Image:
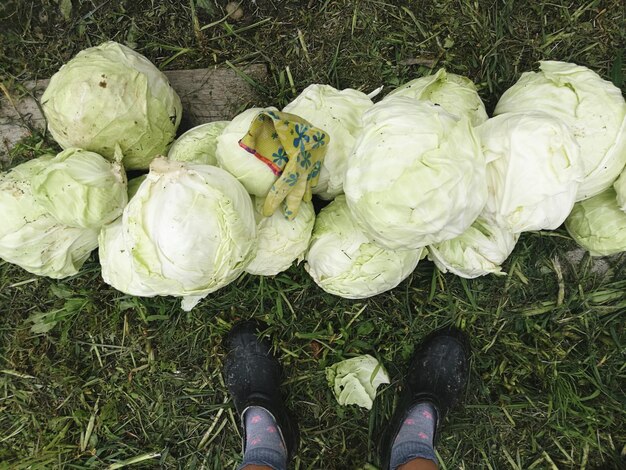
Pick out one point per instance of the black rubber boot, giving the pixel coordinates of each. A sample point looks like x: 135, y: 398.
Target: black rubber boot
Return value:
x: 438, y: 373
x: 253, y: 377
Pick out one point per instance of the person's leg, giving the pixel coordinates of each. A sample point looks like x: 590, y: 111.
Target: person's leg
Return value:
x: 415, y: 436
x: 419, y: 464
x: 438, y: 374
x: 252, y: 375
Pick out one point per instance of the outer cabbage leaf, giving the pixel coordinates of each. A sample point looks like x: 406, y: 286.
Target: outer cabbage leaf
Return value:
x: 593, y: 108
x: 598, y: 225
x: 478, y: 251
x: 344, y: 262
x: 416, y: 176
x: 30, y: 237
x: 109, y: 95
x: 190, y: 229
x: 280, y: 241
x: 534, y: 169
x: 355, y: 381
x: 117, y: 262
x: 454, y: 93
x: 81, y: 188
x: 133, y: 185
x: 338, y: 113
x: 199, y: 144
x: 620, y: 190
x: 255, y: 175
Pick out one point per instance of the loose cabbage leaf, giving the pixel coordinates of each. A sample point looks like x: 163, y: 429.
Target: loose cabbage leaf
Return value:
x: 355, y: 381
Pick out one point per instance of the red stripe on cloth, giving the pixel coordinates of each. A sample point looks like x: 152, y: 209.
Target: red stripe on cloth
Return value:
x: 275, y: 168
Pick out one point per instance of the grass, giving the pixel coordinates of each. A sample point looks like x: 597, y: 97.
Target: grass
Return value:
x: 92, y: 378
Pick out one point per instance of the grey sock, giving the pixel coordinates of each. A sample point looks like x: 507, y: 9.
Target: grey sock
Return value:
x: 264, y: 444
x: 415, y: 438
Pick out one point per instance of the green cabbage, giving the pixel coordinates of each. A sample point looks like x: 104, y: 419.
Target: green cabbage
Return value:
x: 110, y: 95
x: 189, y: 229
x: 454, y: 93
x: 255, y: 175
x: 199, y: 144
x: 338, y: 113
x: 344, y: 262
x: 280, y: 241
x: 478, y: 251
x: 593, y: 108
x: 534, y: 170
x: 416, y: 175
x: 81, y: 188
x: 32, y: 238
x: 598, y: 225
x: 355, y: 381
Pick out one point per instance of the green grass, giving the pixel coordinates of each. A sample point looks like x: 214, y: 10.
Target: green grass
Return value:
x: 90, y: 377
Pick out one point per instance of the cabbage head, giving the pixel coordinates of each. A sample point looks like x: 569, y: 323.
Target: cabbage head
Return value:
x: 81, y: 188
x: 454, y: 93
x: 355, y: 381
x: 280, y: 241
x: 199, y: 144
x: 620, y: 190
x: 338, y: 113
x: 416, y: 175
x: 109, y: 95
x: 344, y: 262
x: 255, y: 175
x: 534, y: 170
x: 190, y: 230
x: 478, y: 251
x: 593, y: 108
x: 32, y: 238
x: 598, y: 225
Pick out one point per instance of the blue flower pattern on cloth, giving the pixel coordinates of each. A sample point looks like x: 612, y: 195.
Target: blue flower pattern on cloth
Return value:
x: 272, y: 114
x: 292, y: 179
x: 315, y: 171
x: 280, y: 156
x: 301, y: 132
x: 318, y: 138
x: 304, y: 157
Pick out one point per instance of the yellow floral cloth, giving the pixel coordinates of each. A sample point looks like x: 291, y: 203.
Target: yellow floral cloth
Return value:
x: 294, y: 150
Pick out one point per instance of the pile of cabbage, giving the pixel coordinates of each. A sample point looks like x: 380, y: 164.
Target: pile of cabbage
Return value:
x: 423, y: 172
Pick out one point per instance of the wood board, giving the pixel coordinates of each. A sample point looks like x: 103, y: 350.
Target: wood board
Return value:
x: 211, y: 94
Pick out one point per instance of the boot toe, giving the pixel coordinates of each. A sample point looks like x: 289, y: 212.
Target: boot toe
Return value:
x: 440, y: 368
